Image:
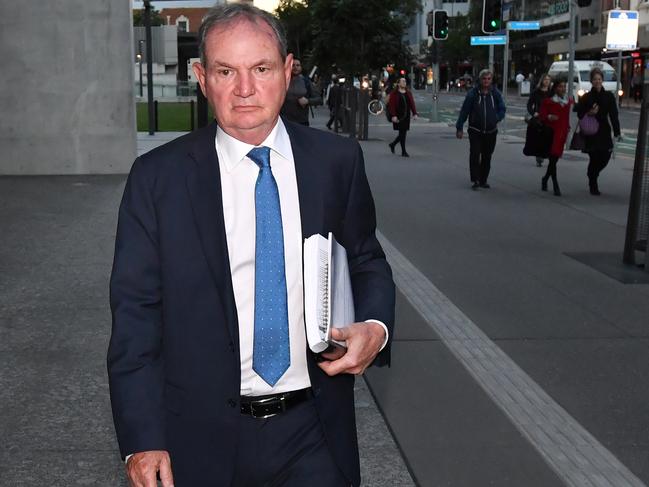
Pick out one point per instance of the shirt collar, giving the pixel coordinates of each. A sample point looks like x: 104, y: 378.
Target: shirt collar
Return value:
x: 234, y: 151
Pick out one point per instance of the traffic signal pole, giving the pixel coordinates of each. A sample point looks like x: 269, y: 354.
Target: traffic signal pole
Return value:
x: 505, y: 76
x: 571, y: 49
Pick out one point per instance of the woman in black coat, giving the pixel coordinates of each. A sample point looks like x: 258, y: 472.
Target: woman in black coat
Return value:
x: 601, y: 104
x: 535, y: 100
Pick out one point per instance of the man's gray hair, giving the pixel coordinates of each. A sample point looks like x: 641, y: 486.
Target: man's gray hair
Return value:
x: 485, y: 72
x: 224, y: 14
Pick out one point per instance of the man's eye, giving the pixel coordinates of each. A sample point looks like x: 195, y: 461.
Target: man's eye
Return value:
x: 262, y: 69
x: 224, y: 72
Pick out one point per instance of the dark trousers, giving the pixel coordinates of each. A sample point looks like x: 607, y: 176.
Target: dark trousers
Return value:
x: 481, y: 146
x: 401, y: 139
x: 597, y: 161
x: 287, y: 450
x: 334, y: 117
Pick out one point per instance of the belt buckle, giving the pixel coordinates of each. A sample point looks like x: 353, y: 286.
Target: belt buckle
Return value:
x: 259, y: 402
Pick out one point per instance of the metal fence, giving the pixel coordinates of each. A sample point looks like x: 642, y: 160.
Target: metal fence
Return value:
x: 351, y: 112
x: 637, y: 232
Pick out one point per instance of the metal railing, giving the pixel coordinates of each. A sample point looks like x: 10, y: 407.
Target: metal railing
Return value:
x: 351, y: 113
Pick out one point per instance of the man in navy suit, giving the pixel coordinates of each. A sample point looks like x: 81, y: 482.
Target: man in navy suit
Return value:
x: 211, y: 380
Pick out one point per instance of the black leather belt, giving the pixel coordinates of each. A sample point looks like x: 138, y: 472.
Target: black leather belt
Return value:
x: 267, y: 406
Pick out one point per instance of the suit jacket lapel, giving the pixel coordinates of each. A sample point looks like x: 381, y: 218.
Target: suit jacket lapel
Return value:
x: 204, y: 186
x: 311, y: 210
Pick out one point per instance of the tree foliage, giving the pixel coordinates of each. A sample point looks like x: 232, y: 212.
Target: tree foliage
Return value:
x: 295, y: 18
x: 138, y: 18
x: 457, y: 48
x: 353, y: 36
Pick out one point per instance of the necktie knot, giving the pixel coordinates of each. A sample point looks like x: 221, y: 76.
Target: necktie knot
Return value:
x: 260, y: 156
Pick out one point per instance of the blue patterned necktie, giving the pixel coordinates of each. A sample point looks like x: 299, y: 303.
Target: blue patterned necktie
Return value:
x: 271, y: 356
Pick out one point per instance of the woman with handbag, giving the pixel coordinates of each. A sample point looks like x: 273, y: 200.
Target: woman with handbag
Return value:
x: 594, y: 110
x: 400, y: 104
x: 555, y: 113
x: 542, y: 91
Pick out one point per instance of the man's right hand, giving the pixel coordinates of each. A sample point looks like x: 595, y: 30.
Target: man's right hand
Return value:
x: 142, y: 468
x: 459, y: 134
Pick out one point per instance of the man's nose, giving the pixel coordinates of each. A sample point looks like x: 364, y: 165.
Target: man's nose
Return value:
x: 245, y: 85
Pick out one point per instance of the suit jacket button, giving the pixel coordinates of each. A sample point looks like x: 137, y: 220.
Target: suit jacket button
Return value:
x: 232, y: 403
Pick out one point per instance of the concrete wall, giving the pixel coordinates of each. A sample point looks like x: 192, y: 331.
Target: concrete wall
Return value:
x: 66, y: 87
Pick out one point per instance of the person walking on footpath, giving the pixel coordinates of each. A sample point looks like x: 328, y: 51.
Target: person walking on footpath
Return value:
x: 300, y: 96
x: 211, y: 381
x: 555, y: 113
x: 485, y: 108
x: 540, y: 93
x: 400, y: 105
x: 599, y: 105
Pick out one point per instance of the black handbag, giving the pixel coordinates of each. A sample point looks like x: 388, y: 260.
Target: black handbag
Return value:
x: 577, y: 141
x: 538, y: 140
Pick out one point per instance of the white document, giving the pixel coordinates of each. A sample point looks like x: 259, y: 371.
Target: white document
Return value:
x: 328, y: 298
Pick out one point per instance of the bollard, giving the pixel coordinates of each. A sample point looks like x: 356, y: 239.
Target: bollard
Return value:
x: 353, y: 110
x: 155, y: 112
x: 364, y: 114
x: 191, y: 115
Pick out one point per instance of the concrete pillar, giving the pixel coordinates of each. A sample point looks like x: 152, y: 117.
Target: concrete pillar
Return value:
x: 66, y: 87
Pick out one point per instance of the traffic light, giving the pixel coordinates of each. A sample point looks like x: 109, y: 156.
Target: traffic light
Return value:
x: 583, y: 3
x: 492, y: 15
x: 440, y: 25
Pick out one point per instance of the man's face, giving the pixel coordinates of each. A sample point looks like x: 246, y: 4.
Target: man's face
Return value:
x: 485, y: 81
x: 245, y: 80
x: 297, y: 67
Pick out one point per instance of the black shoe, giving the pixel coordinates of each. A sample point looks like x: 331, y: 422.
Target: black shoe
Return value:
x: 475, y: 186
x: 405, y: 154
x: 557, y: 191
x: 485, y: 185
x: 594, y: 191
x: 544, y: 183
x: 391, y: 147
x: 329, y: 126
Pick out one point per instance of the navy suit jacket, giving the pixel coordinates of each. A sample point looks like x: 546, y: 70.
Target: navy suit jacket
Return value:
x: 173, y: 359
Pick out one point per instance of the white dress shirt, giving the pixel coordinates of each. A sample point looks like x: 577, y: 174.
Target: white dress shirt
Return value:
x: 238, y: 177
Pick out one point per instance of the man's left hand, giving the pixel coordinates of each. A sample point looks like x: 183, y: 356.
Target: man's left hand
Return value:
x: 303, y: 101
x: 364, y: 340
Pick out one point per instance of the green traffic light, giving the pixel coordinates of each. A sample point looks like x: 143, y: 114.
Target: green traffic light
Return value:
x: 494, y: 23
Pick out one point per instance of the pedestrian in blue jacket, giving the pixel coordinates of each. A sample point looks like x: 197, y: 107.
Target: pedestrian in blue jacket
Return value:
x: 484, y: 107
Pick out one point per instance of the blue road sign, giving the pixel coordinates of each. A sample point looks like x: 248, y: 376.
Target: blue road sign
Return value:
x: 524, y: 25
x: 623, y: 14
x: 488, y: 40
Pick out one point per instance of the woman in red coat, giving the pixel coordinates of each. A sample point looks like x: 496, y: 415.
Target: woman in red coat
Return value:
x: 400, y: 105
x: 555, y: 113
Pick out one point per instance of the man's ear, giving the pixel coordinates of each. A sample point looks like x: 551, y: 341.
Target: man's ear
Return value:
x: 199, y: 72
x: 288, y: 66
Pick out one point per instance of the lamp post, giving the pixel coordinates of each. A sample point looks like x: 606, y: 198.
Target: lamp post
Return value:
x: 139, y: 61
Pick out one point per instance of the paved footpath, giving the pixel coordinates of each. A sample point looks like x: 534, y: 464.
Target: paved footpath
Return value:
x: 521, y: 341
x: 519, y: 357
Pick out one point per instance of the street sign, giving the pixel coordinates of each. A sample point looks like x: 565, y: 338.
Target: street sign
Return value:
x: 622, y: 30
x: 488, y: 40
x: 524, y: 25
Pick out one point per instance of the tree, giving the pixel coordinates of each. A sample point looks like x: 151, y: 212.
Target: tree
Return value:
x: 138, y: 18
x: 294, y: 17
x: 360, y: 36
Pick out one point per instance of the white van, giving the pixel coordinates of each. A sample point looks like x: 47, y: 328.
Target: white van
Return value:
x: 582, y: 75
